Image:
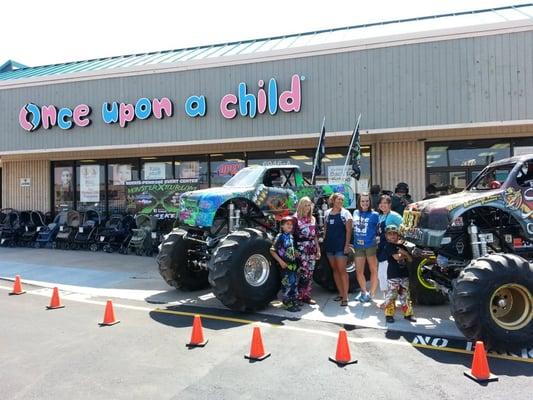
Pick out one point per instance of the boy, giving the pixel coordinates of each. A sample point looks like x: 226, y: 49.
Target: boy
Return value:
x: 397, y: 275
x: 284, y: 252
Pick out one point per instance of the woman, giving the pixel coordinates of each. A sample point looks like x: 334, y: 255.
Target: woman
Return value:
x: 338, y: 232
x: 365, y: 229
x: 387, y: 217
x: 307, y: 246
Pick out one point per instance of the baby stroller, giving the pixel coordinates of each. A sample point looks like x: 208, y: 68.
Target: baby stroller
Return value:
x: 141, y: 239
x: 47, y: 234
x: 8, y: 227
x: 33, y: 220
x: 86, y: 234
x: 67, y: 231
x: 116, y: 234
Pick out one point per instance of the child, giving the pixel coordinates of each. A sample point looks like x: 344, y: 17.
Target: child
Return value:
x: 397, y: 276
x: 283, y: 251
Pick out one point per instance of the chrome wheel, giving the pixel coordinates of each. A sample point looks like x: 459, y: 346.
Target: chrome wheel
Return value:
x: 256, y: 270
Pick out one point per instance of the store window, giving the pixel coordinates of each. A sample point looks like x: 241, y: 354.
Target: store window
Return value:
x: 301, y: 158
x: 225, y: 166
x: 157, y: 168
x: 333, y: 167
x: 192, y: 168
x: 90, y: 186
x: 452, y: 166
x: 63, y: 186
x: 118, y: 173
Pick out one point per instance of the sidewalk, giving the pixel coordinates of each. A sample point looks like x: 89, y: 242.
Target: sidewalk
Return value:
x: 137, y: 278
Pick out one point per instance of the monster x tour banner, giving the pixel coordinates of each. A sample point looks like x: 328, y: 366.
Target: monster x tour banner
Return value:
x: 159, y: 198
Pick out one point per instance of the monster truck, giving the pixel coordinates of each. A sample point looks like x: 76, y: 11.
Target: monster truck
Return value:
x: 476, y: 247
x: 225, y: 234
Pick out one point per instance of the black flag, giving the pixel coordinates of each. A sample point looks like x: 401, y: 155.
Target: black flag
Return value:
x: 354, y: 152
x: 320, y: 153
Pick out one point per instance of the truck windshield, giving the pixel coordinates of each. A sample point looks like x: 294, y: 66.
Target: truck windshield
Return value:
x: 491, y: 177
x: 245, y: 177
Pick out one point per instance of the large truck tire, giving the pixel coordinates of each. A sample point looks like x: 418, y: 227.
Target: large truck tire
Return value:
x: 323, y: 275
x: 492, y: 301
x: 422, y: 292
x: 242, y: 272
x: 174, y: 265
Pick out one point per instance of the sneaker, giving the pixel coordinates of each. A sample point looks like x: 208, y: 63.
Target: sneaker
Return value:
x: 308, y: 301
x: 389, y: 319
x: 410, y: 318
x: 368, y: 298
x: 361, y: 297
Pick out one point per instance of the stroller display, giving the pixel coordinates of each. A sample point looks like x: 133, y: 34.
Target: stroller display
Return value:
x: 141, y: 242
x: 86, y: 234
x: 65, y: 237
x: 115, y: 235
x: 33, y: 221
x: 9, y: 226
x: 88, y: 230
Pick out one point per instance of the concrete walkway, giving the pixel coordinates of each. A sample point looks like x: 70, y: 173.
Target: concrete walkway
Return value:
x: 136, y: 278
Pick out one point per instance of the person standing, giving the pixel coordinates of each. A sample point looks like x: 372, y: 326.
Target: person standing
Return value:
x: 284, y: 252
x: 387, y: 217
x: 338, y: 232
x: 365, y: 229
x: 308, y: 248
x: 401, y: 198
x: 397, y: 276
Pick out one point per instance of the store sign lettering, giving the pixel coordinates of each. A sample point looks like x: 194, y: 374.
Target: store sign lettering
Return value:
x: 244, y: 103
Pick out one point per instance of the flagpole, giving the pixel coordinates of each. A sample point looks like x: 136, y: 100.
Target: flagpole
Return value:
x: 317, y: 150
x: 350, y: 148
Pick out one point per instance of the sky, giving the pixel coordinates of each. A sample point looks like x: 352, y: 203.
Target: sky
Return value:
x: 37, y: 32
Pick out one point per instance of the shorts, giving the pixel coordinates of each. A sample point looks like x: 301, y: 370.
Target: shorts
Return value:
x: 366, y: 251
x: 337, y: 254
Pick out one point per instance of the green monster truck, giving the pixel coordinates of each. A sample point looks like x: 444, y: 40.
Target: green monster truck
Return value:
x: 225, y: 234
x: 476, y: 247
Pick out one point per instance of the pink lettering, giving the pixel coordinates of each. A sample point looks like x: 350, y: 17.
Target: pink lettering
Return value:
x: 80, y: 112
x: 291, y: 100
x: 224, y: 103
x: 126, y: 114
x: 23, y: 120
x: 261, y: 98
x: 49, y: 116
x: 158, y: 106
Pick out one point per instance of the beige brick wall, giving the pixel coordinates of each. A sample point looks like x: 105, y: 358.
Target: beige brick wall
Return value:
x: 37, y: 195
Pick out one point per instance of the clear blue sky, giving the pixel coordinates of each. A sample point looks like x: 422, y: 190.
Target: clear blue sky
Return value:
x: 37, y: 32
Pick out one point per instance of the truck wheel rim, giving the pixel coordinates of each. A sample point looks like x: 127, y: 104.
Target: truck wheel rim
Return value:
x: 256, y: 270
x: 511, y: 306
x: 420, y: 276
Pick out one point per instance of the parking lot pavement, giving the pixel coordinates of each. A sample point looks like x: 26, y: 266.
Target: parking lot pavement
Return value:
x: 64, y: 354
x: 137, y: 278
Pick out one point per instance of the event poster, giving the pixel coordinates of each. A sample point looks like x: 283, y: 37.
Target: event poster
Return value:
x: 159, y: 198
x: 89, y: 183
x: 121, y: 174
x: 154, y: 170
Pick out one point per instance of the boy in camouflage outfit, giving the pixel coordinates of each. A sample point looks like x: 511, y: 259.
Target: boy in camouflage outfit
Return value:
x: 283, y: 251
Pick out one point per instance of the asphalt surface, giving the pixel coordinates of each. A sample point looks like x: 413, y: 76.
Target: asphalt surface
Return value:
x: 65, y: 354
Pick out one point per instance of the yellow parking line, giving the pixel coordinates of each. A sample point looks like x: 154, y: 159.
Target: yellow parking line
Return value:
x: 463, y: 351
x: 216, y: 317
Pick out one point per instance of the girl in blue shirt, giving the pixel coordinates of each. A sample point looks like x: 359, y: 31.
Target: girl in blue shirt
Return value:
x: 365, y: 229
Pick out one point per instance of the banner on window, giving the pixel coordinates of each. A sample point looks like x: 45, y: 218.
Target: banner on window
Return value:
x: 90, y: 183
x: 159, y: 198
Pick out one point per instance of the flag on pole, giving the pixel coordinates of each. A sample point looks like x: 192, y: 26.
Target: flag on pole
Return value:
x: 354, y: 153
x: 320, y: 153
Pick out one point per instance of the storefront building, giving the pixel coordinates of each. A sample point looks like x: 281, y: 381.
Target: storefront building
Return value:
x: 440, y: 98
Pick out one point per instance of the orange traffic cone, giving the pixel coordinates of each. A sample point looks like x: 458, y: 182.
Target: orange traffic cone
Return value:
x: 17, y: 287
x: 197, y: 336
x: 480, y: 367
x: 342, y: 356
x: 54, y: 301
x: 109, y: 315
x: 257, y: 351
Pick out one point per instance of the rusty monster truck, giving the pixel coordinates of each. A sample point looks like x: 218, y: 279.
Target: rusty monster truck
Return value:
x: 476, y: 247
x: 225, y: 233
